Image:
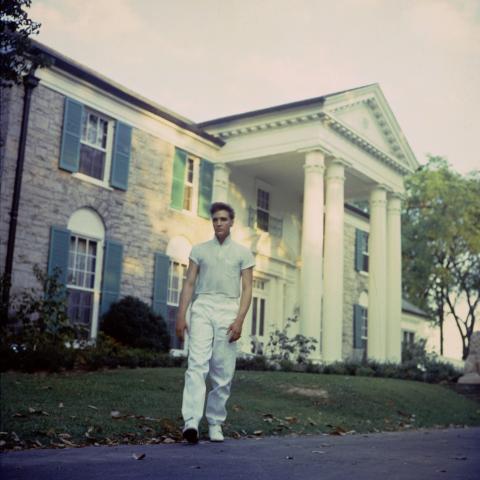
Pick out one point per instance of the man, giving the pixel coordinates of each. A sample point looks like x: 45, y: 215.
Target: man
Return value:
x: 213, y: 280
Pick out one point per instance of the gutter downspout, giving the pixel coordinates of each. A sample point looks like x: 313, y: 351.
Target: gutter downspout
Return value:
x: 29, y: 82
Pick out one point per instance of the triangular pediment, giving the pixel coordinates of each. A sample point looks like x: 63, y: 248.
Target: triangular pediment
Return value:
x: 365, y: 112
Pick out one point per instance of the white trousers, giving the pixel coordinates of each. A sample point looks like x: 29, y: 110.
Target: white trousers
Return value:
x: 209, y: 353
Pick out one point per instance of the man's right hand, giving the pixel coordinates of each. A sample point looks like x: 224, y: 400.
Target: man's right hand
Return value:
x: 180, y: 327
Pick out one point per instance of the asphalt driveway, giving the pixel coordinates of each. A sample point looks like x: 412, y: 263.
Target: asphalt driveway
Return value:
x: 423, y: 454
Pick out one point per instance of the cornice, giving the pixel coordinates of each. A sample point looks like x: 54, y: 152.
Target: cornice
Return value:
x: 336, y: 125
x: 359, y: 141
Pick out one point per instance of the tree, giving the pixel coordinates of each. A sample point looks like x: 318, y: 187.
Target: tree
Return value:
x: 16, y: 57
x: 441, y: 245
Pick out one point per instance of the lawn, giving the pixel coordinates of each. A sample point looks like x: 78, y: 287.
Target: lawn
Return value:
x: 143, y: 406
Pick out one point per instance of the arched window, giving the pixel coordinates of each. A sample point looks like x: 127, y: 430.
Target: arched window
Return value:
x: 85, y: 261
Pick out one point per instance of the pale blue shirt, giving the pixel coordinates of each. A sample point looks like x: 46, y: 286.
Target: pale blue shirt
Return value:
x: 220, y: 265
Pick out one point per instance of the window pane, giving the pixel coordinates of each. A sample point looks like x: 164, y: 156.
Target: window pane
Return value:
x: 262, y: 317
x: 187, y: 199
x: 92, y: 129
x: 262, y: 220
x: 254, y: 316
x: 92, y: 162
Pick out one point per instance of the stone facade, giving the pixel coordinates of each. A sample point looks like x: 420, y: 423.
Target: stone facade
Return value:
x: 139, y: 218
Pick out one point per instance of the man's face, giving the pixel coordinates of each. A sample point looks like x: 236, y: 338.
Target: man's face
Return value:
x: 222, y: 223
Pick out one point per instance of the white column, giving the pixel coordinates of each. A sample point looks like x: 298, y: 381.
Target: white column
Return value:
x: 377, y: 275
x: 394, y: 280
x: 333, y: 263
x: 221, y: 174
x: 312, y: 247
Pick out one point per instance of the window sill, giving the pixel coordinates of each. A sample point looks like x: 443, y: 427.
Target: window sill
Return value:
x: 363, y: 273
x: 92, y: 181
x: 188, y: 213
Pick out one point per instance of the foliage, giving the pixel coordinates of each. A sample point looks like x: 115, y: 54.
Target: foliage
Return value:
x: 17, y: 59
x: 441, y: 244
x: 282, y: 348
x: 39, y: 332
x: 133, y: 323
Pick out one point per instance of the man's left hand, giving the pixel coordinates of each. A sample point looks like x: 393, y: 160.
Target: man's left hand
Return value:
x: 234, y: 332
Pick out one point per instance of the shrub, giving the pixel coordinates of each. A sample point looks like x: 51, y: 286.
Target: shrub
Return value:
x: 133, y: 323
x: 38, y: 332
x: 282, y: 348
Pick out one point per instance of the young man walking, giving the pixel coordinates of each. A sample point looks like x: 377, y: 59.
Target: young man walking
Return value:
x: 218, y: 310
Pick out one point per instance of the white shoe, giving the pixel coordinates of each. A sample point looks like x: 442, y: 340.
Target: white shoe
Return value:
x: 190, y: 433
x: 215, y: 433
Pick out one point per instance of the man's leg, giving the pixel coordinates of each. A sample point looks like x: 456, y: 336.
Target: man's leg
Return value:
x: 222, y: 364
x: 199, y: 354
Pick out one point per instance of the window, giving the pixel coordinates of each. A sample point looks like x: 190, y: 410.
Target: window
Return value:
x: 190, y: 187
x: 408, y: 337
x: 176, y: 275
x: 82, y: 262
x: 258, y: 316
x: 263, y: 209
x: 361, y: 251
x: 365, y: 253
x: 94, y: 145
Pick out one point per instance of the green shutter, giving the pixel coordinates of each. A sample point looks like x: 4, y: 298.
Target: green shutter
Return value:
x: 359, y: 246
x: 58, y: 253
x: 357, y: 326
x: 112, y: 274
x: 72, y: 130
x: 160, y: 284
x: 121, y: 156
x: 179, y: 163
x: 205, y: 188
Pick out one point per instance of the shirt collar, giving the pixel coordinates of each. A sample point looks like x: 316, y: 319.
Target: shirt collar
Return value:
x: 227, y: 240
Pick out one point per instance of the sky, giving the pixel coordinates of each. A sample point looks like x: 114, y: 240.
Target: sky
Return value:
x: 209, y: 58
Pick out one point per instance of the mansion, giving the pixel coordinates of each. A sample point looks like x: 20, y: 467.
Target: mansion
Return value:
x: 114, y: 190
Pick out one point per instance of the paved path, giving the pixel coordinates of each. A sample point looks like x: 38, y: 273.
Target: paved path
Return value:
x: 426, y: 454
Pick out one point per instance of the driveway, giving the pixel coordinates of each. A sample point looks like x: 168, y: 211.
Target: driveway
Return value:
x: 422, y: 454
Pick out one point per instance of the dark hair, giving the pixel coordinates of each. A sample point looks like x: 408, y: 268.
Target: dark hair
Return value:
x: 222, y: 206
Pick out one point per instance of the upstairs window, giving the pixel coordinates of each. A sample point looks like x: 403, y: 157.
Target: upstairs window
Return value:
x: 93, y: 145
x: 191, y: 184
x: 263, y: 209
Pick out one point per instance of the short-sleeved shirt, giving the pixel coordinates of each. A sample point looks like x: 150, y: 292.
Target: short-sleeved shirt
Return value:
x: 220, y: 265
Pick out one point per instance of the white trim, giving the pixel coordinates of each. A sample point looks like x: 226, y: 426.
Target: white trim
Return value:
x: 102, y: 101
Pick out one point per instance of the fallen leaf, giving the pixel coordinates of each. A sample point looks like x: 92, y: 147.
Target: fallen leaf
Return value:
x: 318, y: 451
x: 258, y: 432
x: 2, y: 443
x: 93, y: 407
x: 115, y: 414
x: 236, y: 408
x: 311, y: 422
x: 236, y: 435
x: 18, y: 414
x: 291, y: 419
x: 289, y: 457
x: 338, y: 431
x: 169, y: 440
x: 138, y: 456
x: 67, y: 442
x: 460, y: 458
x: 60, y: 405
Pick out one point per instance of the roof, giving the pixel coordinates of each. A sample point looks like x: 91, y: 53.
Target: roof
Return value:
x: 413, y: 309
x: 277, y: 108
x: 78, y: 70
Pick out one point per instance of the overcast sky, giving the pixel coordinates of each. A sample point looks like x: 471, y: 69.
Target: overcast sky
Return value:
x: 210, y: 58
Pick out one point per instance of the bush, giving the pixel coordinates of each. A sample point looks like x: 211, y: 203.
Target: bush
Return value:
x: 38, y: 333
x: 134, y: 324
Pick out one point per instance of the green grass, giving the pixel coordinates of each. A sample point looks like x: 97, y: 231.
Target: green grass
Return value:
x: 149, y: 401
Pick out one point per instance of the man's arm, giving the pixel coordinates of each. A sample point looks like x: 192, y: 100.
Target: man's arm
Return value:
x: 235, y: 329
x: 185, y: 298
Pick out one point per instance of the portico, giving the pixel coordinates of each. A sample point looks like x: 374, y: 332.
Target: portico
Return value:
x: 317, y: 156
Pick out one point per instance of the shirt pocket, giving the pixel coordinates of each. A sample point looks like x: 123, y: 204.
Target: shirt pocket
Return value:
x: 231, y: 268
